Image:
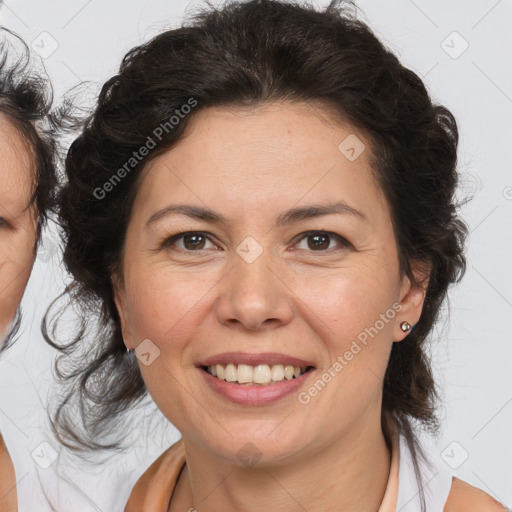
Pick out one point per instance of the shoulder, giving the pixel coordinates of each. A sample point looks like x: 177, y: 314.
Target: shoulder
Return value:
x: 8, y: 497
x: 470, y: 499
x: 154, y: 488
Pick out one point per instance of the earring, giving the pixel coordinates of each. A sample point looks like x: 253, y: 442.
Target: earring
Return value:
x: 405, y: 326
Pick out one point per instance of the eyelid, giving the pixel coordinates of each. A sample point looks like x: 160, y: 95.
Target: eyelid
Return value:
x: 342, y: 240
x: 170, y: 240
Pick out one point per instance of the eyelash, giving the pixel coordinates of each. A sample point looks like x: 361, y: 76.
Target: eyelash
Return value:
x: 344, y: 243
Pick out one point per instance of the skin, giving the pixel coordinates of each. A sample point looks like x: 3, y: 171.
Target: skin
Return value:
x: 290, y: 300
x: 18, y: 221
x: 18, y: 233
x: 249, y: 166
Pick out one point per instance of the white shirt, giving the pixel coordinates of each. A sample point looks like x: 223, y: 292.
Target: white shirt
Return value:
x: 437, y: 482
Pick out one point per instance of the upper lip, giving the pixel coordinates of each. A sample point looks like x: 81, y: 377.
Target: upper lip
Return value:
x: 270, y: 358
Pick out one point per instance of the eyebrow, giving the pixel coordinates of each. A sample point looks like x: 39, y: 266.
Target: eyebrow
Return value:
x: 285, y: 218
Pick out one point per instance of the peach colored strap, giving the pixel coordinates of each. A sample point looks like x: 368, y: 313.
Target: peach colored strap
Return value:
x: 153, y: 490
x: 8, y: 497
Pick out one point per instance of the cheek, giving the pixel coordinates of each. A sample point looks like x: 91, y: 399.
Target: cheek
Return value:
x: 168, y: 309
x: 14, y: 274
x: 348, y: 302
x: 352, y: 317
x: 165, y: 305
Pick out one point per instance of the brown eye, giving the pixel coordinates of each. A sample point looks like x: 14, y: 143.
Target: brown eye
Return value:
x: 318, y: 241
x: 192, y: 241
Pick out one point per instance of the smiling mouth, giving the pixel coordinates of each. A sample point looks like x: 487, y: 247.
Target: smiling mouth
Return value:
x: 259, y: 375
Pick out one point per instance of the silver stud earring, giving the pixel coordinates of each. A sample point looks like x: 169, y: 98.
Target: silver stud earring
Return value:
x: 405, y: 326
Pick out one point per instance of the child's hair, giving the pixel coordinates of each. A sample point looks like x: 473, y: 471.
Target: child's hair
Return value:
x: 26, y: 100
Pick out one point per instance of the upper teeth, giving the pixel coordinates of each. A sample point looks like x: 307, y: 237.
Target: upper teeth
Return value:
x: 260, y: 374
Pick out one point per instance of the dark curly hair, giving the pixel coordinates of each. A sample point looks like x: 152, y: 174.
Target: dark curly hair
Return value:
x: 26, y: 99
x: 244, y: 54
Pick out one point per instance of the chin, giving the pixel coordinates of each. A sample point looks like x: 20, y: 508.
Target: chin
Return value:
x: 257, y: 446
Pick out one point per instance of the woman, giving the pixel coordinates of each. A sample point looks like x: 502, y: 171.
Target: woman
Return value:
x: 261, y: 210
x: 27, y: 184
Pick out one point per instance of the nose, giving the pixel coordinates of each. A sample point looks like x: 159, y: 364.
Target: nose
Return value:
x: 254, y: 297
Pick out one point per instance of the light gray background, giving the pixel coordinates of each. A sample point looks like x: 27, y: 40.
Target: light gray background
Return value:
x: 472, y: 351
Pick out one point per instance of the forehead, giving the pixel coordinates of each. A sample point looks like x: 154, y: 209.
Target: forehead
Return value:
x: 280, y: 132
x: 16, y: 166
x: 275, y: 152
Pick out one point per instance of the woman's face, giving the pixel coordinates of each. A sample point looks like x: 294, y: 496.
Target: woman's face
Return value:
x: 265, y: 279
x: 18, y: 221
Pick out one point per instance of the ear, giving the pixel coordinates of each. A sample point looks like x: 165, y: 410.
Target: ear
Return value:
x: 122, y: 309
x: 412, y: 297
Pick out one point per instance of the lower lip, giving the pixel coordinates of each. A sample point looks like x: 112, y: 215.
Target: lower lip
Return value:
x: 254, y: 395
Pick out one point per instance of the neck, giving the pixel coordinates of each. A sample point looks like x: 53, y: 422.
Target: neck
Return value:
x: 349, y: 474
